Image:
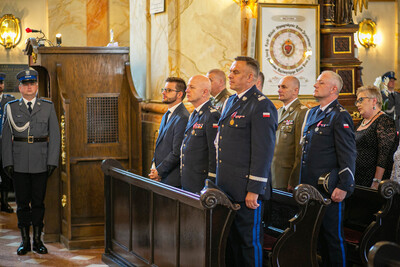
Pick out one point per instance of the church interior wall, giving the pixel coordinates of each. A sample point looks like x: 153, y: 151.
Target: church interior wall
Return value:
x: 32, y: 16
x: 382, y: 58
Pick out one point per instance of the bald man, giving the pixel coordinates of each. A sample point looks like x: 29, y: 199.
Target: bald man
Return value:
x: 218, y: 88
x: 329, y: 146
x: 198, y: 161
x: 287, y: 155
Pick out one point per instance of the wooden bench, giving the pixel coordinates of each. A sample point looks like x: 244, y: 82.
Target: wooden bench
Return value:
x: 384, y: 254
x: 371, y: 216
x: 152, y: 224
x: 291, y: 232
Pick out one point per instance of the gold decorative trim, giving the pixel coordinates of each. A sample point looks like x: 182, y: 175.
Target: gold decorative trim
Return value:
x: 332, y: 65
x: 63, y: 146
x: 337, y: 30
x: 342, y: 52
x: 64, y: 201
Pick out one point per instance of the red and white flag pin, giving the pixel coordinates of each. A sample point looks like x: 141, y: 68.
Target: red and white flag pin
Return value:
x: 346, y: 126
x: 266, y: 114
x: 215, y: 125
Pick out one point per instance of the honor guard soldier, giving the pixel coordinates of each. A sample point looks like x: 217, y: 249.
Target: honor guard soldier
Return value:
x: 392, y: 98
x: 31, y: 147
x: 6, y: 183
x: 198, y: 151
x: 329, y: 148
x: 287, y: 154
x: 245, y: 146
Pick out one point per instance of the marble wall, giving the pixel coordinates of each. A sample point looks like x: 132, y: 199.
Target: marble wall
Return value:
x: 383, y: 57
x: 31, y: 16
x: 68, y: 17
x: 190, y: 37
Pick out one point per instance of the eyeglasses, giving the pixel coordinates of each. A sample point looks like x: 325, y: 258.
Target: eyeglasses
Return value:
x: 168, y: 90
x: 361, y: 99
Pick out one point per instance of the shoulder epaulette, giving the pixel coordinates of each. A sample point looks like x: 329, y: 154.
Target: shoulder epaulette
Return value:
x: 212, y: 109
x: 45, y: 100
x: 303, y: 107
x: 261, y: 97
x: 13, y: 101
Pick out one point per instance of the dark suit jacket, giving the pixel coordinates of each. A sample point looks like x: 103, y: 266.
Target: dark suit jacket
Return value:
x: 287, y: 154
x: 198, y: 161
x: 167, y: 151
x: 246, y: 141
x: 329, y: 147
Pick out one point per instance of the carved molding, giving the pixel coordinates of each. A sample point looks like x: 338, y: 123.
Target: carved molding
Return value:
x: 388, y: 188
x: 303, y: 193
x: 211, y: 196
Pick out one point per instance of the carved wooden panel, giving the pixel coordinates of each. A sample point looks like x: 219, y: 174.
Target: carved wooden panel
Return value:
x: 348, y: 80
x: 342, y: 44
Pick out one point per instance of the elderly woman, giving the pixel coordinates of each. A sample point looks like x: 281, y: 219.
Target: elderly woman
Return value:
x: 375, y: 139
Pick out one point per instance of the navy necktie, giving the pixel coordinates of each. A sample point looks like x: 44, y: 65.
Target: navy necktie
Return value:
x: 165, y: 119
x: 29, y: 107
x: 194, y: 114
x: 319, y: 112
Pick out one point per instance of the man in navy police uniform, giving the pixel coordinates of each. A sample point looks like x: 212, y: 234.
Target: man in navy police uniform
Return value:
x: 329, y: 147
x: 31, y: 149
x: 245, y: 147
x: 6, y: 182
x: 165, y: 167
x: 198, y: 151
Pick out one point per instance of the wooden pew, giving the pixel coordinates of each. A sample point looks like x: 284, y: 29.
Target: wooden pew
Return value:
x: 384, y: 254
x: 152, y: 224
x: 292, y: 231
x: 371, y: 216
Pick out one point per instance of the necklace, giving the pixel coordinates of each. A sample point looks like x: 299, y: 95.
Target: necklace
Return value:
x: 363, y: 124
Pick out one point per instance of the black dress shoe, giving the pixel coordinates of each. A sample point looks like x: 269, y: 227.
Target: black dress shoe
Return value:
x: 39, y: 247
x: 25, y: 245
x: 24, y: 248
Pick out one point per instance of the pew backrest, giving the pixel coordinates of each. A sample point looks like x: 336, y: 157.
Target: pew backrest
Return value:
x: 149, y: 223
x: 297, y: 245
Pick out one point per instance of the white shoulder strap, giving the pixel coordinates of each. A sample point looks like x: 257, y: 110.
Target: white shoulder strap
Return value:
x: 12, y: 123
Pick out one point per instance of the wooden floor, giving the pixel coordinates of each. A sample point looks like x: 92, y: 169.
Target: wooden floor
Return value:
x: 58, y: 255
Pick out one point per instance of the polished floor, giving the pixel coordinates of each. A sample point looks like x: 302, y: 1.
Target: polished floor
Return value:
x: 58, y: 255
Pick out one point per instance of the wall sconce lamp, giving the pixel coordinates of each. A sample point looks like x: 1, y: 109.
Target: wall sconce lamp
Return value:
x: 10, y: 31
x: 367, y: 33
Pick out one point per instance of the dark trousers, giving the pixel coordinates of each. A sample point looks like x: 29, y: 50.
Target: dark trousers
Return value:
x: 331, y: 242
x: 30, y: 190
x: 244, y: 245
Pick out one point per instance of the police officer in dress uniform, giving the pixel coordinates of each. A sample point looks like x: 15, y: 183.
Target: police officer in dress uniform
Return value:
x: 393, y: 98
x: 245, y: 146
x: 6, y: 182
x: 287, y: 154
x: 31, y: 147
x: 198, y: 151
x: 329, y: 147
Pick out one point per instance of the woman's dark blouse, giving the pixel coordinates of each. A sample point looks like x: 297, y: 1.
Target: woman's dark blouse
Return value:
x: 375, y: 147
